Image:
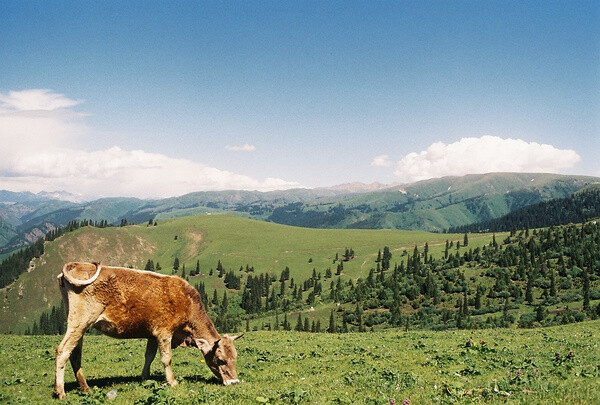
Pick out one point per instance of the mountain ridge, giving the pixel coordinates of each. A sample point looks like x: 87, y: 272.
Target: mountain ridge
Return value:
x: 433, y: 204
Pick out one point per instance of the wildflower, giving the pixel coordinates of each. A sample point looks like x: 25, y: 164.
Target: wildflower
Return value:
x: 571, y: 354
x: 392, y: 401
x: 519, y: 372
x: 406, y: 401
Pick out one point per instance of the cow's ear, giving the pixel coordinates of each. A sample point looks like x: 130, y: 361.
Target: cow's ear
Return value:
x: 203, y: 345
x: 237, y: 337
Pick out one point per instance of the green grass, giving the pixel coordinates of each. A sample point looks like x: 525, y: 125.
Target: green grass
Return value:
x: 289, y: 367
x: 233, y: 240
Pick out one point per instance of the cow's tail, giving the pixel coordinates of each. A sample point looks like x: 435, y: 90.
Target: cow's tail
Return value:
x: 75, y: 281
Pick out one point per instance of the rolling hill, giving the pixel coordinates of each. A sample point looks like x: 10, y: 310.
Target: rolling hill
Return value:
x: 234, y: 241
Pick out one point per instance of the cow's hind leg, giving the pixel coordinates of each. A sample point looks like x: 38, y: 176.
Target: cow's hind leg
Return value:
x: 76, y: 364
x: 151, y: 347
x: 63, y: 352
x: 164, y: 345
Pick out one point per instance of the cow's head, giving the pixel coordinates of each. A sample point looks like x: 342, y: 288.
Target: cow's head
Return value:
x: 220, y: 357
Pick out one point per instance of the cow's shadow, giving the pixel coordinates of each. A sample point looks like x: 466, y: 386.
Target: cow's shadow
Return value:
x: 203, y: 379
x: 104, y: 382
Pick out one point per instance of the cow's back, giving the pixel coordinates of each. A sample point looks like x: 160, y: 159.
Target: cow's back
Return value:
x: 140, y: 303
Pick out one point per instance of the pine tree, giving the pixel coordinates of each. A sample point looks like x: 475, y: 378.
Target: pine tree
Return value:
x: 586, y: 290
x: 282, y: 288
x: 286, y: 323
x: 176, y: 264
x: 529, y: 288
x: 299, y: 326
x: 505, y: 310
x: 149, y: 265
x: 331, y: 328
x: 478, y: 293
x: 359, y: 313
x: 466, y: 240
x: 540, y: 313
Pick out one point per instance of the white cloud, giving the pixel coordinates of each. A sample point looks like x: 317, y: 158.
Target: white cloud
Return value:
x: 483, y: 155
x: 241, y: 148
x: 36, y: 129
x: 381, y: 161
x: 36, y: 99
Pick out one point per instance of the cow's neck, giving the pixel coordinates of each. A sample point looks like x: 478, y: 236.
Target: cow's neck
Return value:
x: 203, y: 328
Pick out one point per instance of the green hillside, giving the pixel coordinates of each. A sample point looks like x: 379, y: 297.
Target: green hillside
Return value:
x: 234, y: 241
x: 351, y: 279
x: 557, y: 365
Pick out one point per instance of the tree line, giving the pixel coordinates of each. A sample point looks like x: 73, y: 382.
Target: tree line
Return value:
x: 578, y: 207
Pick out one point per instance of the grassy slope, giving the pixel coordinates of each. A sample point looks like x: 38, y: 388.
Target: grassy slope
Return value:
x: 288, y: 367
x: 233, y: 240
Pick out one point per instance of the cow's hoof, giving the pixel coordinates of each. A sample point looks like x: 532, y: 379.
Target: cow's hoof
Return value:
x: 59, y: 395
x: 173, y: 383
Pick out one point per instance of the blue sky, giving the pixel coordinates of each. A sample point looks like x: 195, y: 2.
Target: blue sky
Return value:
x: 164, y: 96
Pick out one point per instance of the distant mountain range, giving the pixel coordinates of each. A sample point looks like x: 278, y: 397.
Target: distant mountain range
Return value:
x: 433, y: 205
x: 26, y: 196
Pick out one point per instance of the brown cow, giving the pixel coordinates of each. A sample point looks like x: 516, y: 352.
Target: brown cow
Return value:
x: 126, y: 303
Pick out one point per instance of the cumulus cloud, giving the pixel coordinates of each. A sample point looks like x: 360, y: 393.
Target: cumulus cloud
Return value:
x: 483, y: 155
x: 37, y: 128
x: 241, y: 148
x: 381, y: 161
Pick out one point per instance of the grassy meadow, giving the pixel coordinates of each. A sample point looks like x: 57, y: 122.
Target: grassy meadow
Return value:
x: 546, y: 365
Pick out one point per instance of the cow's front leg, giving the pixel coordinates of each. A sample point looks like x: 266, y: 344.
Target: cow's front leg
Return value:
x: 164, y: 345
x: 151, y: 347
x: 76, y: 364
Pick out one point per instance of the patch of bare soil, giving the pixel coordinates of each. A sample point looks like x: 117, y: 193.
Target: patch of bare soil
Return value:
x: 119, y: 250
x: 194, y: 239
